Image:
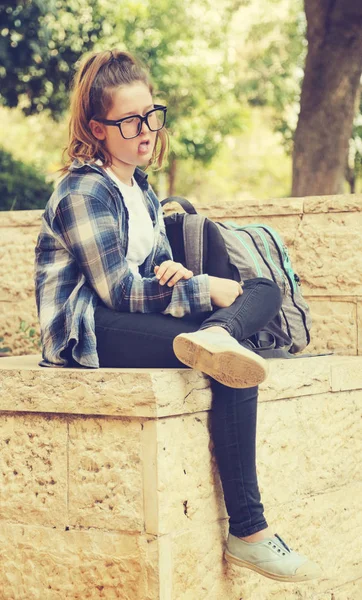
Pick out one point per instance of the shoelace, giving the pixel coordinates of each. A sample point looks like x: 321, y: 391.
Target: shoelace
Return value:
x: 282, y: 542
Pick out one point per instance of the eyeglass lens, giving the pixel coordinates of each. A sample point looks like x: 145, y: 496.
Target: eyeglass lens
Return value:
x: 155, y: 120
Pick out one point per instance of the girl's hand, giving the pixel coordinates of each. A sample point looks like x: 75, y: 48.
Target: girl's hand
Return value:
x: 169, y: 270
x: 223, y: 292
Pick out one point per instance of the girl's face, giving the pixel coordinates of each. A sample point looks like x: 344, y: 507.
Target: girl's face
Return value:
x: 132, y: 99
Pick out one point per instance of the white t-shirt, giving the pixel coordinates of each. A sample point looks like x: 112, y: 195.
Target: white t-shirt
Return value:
x: 140, y: 227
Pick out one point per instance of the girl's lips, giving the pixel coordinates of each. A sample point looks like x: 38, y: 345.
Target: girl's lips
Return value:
x: 144, y: 147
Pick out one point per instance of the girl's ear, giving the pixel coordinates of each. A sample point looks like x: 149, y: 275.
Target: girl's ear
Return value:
x: 98, y: 129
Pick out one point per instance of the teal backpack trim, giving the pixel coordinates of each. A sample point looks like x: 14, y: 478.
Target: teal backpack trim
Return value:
x: 257, y: 267
x: 284, y: 252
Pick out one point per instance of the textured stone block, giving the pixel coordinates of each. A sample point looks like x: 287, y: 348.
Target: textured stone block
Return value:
x: 11, y: 316
x: 334, y: 326
x: 294, y: 437
x: 33, y: 470
x: 359, y: 326
x: 347, y: 375
x: 308, y: 446
x: 17, y: 297
x: 326, y: 204
x: 21, y: 218
x: 302, y: 377
x: 250, y: 208
x: 180, y: 391
x: 141, y: 392
x: 75, y: 391
x: 348, y: 591
x: 328, y: 250
x: 118, y: 392
x: 312, y: 526
x: 328, y: 528
x: 47, y: 564
x: 197, y: 565
x: 105, y: 474
x: 187, y: 484
x: 243, y: 208
x: 17, y: 252
x: 309, y: 442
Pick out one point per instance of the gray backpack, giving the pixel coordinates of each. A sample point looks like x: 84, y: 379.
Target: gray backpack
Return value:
x: 244, y: 252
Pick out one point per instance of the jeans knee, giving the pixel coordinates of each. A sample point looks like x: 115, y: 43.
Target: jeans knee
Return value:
x: 272, y: 291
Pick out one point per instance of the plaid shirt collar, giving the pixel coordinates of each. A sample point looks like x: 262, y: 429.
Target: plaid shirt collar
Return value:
x: 140, y: 176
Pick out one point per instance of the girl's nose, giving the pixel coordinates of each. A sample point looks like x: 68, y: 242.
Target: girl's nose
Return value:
x: 144, y: 128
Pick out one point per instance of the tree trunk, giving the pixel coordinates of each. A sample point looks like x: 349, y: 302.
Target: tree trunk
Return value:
x: 172, y: 176
x: 329, y: 91
x: 350, y: 177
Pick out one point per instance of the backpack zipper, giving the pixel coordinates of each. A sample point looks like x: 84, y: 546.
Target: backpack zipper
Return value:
x: 284, y: 258
x: 272, y: 276
x: 289, y: 271
x: 268, y: 251
x: 258, y: 269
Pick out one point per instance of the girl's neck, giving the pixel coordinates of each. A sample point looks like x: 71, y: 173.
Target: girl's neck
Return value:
x: 126, y: 178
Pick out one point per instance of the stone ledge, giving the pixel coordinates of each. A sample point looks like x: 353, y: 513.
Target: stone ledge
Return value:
x: 89, y: 472
x: 326, y: 204
x: 237, y: 207
x: 21, y: 218
x: 141, y: 495
x: 145, y: 393
x: 268, y: 207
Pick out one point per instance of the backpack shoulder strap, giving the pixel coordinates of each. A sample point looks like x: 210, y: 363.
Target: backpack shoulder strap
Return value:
x: 193, y: 233
x: 186, y: 204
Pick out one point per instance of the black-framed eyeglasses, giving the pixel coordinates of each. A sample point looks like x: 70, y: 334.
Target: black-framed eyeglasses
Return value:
x: 130, y: 127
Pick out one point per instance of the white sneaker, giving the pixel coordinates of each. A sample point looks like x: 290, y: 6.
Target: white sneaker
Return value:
x: 272, y: 558
x: 221, y: 357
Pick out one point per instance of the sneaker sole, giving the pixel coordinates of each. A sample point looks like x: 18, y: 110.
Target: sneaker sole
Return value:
x: 234, y: 368
x: 230, y: 558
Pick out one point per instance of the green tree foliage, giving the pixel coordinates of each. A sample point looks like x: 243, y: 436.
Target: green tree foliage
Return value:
x: 189, y: 47
x: 184, y: 44
x: 40, y: 40
x: 272, y: 56
x: 36, y: 137
x: 21, y: 186
x: 354, y: 159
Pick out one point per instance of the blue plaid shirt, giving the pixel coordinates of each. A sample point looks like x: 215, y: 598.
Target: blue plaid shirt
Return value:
x: 80, y: 259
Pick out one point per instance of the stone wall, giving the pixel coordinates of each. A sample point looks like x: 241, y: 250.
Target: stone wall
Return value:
x: 324, y: 235
x: 109, y: 487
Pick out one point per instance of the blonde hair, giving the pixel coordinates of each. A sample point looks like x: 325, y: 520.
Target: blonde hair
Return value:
x: 99, y: 74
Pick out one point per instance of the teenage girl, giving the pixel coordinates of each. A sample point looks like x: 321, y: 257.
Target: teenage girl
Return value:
x: 109, y: 294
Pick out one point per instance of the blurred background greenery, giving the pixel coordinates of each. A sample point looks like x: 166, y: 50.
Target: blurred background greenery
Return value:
x: 231, y: 74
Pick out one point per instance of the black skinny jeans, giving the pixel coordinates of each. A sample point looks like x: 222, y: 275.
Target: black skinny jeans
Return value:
x: 138, y: 340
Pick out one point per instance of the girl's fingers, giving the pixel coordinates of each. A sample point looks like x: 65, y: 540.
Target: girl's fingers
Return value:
x: 177, y: 276
x: 170, y: 269
x: 188, y: 274
x: 185, y: 274
x: 162, y: 270
x: 167, y: 270
x: 174, y: 280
